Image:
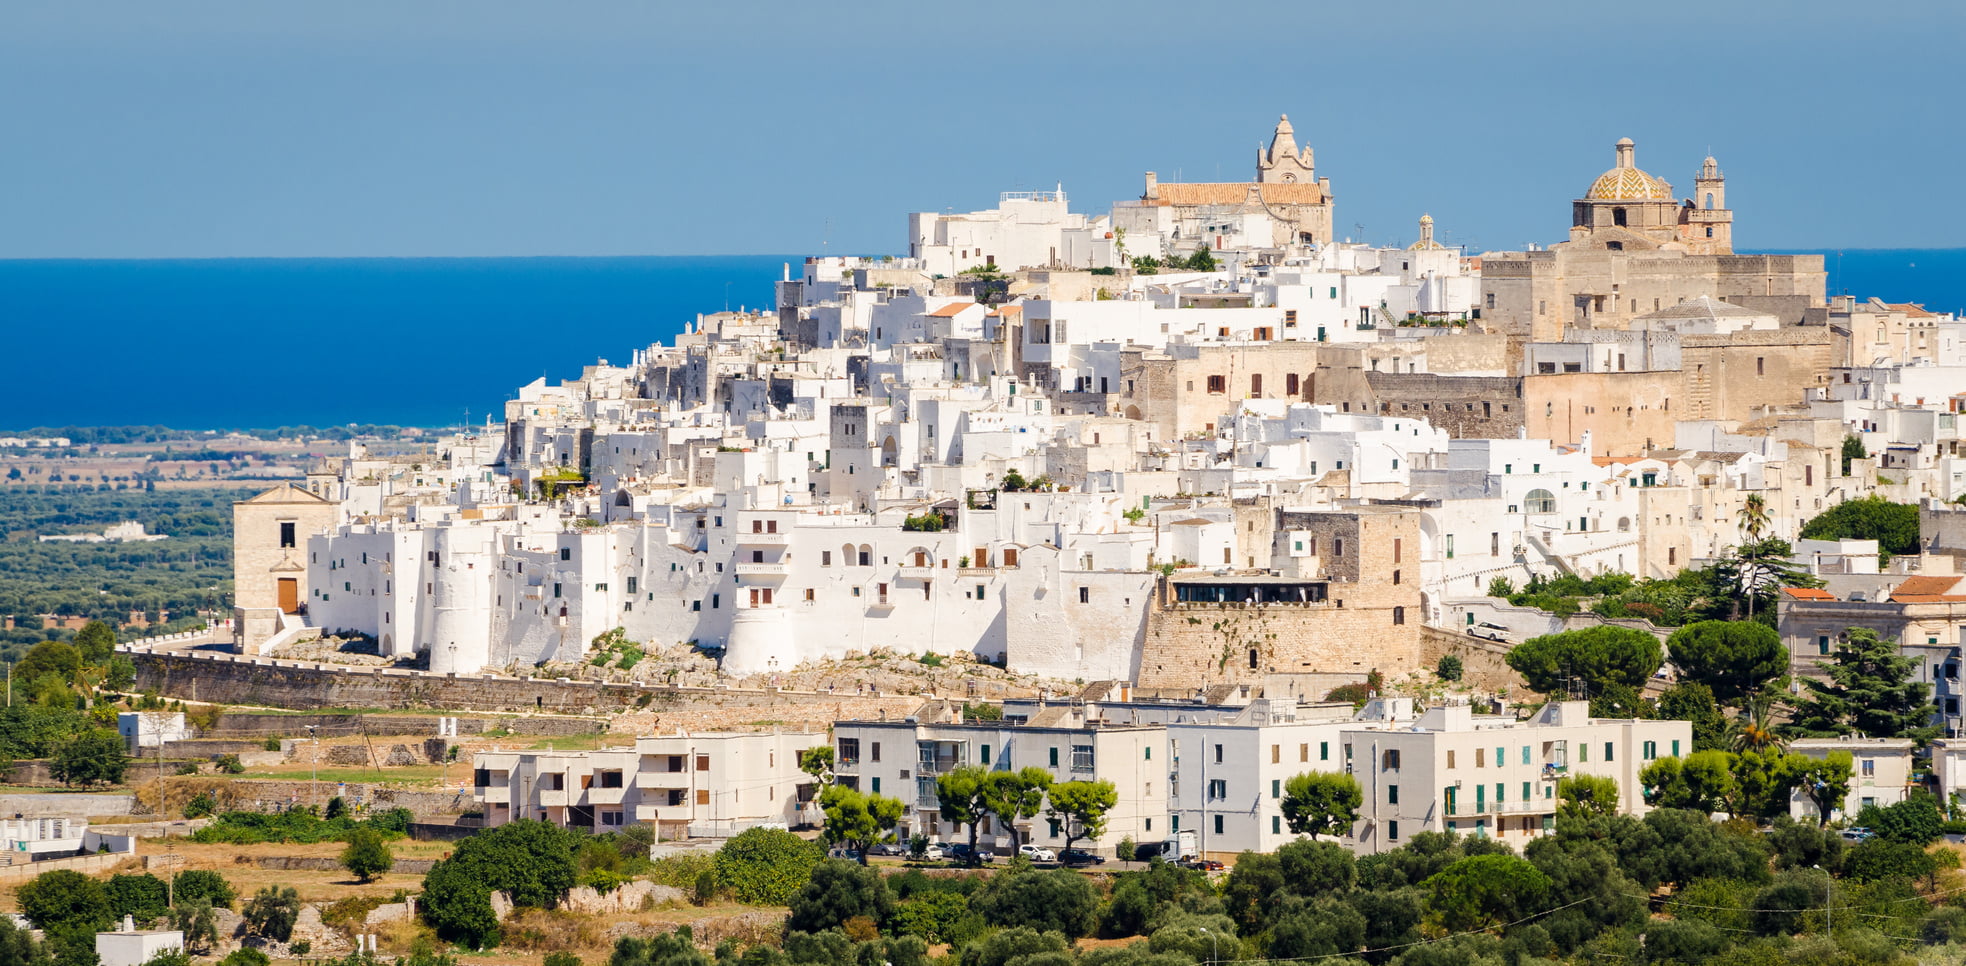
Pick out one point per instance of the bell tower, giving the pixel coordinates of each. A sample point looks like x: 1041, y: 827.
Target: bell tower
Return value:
x: 1283, y: 163
x: 1709, y: 228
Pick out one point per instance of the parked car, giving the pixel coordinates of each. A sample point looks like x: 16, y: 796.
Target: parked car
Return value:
x: 1081, y: 857
x: 888, y: 848
x: 1489, y: 632
x: 959, y: 851
x: 1037, y: 853
x: 851, y: 855
x: 932, y: 853
x: 1205, y: 865
x: 1858, y: 834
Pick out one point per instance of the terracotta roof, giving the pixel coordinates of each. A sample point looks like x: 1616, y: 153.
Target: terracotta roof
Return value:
x: 1911, y: 309
x: 1808, y: 593
x: 1926, y: 590
x: 1236, y: 192
x: 952, y: 309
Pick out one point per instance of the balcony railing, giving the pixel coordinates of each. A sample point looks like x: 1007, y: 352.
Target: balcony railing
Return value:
x: 749, y: 569
x: 762, y: 539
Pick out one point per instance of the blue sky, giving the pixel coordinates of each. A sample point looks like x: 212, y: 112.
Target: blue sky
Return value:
x: 148, y: 129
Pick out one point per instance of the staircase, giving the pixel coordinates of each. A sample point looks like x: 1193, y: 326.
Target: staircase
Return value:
x: 294, y: 628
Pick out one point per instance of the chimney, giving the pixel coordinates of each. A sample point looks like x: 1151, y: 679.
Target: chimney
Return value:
x: 129, y: 924
x: 1153, y: 187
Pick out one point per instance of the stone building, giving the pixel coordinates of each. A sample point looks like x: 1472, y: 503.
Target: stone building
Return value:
x: 1633, y: 250
x: 269, y: 559
x: 1287, y: 205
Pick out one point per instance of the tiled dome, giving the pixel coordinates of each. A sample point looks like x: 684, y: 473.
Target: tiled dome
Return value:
x: 1627, y: 184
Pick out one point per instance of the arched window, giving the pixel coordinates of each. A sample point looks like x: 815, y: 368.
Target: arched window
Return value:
x: 866, y: 555
x: 847, y: 556
x: 1539, y: 501
x: 1709, y: 204
x: 1624, y: 524
x: 1618, y: 217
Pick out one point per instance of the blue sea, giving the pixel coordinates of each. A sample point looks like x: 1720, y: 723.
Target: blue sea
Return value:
x: 260, y: 343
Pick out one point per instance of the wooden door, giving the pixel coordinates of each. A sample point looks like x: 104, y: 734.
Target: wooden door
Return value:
x: 289, y: 595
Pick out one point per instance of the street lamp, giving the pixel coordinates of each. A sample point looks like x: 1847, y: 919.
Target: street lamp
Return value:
x: 314, y: 777
x: 1215, y: 946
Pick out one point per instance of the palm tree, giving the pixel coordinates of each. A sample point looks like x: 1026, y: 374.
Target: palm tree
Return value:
x: 1752, y: 517
x: 1755, y: 729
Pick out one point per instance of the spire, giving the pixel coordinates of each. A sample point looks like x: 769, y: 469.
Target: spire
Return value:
x: 1426, y: 231
x: 1626, y: 150
x: 1284, y: 142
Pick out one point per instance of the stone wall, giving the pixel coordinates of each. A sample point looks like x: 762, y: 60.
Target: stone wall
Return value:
x: 1484, y: 664
x: 322, y: 863
x: 1193, y: 645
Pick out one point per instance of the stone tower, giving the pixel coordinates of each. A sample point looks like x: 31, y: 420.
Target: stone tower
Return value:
x: 1283, y: 163
x: 1709, y: 224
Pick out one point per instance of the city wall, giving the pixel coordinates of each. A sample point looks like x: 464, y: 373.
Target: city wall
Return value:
x: 265, y: 682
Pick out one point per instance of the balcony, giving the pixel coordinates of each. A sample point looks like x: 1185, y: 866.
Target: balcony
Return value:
x: 493, y: 794
x: 551, y: 797
x: 606, y: 796
x: 1479, y: 807
x: 750, y: 569
x: 911, y: 572
x: 762, y: 539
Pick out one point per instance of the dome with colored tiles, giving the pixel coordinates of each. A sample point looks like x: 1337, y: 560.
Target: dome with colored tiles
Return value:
x: 1625, y: 182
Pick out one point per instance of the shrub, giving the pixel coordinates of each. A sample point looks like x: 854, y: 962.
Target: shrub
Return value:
x: 204, y: 884
x: 367, y: 855
x: 245, y: 956
x: 271, y: 913
x: 764, y: 866
x: 1449, y: 668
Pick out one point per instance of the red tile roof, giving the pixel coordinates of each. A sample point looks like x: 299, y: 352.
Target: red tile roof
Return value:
x: 952, y: 309
x: 1927, y: 590
x: 1808, y: 593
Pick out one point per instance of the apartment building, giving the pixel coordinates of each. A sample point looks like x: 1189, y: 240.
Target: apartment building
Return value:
x: 902, y: 759
x: 1457, y: 771
x: 710, y: 785
x: 1880, y: 772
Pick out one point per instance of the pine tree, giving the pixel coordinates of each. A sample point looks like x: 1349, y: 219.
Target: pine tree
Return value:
x: 1869, y: 691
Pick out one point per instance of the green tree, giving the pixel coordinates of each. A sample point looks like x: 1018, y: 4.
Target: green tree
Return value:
x: 1321, y: 803
x: 1595, y: 658
x: 1853, y: 449
x: 1893, y: 525
x: 858, y: 821
x: 1312, y: 868
x: 1052, y: 900
x: 1201, y: 261
x: 839, y: 891
x: 246, y: 956
x: 1014, y: 796
x: 1870, y: 690
x: 94, y: 756
x: 18, y: 946
x: 962, y: 795
x: 96, y: 642
x: 1763, y: 781
x: 1449, y: 668
x: 49, y: 659
x: 1588, y: 795
x: 531, y: 861
x: 1754, y: 572
x: 817, y: 761
x: 1827, y: 782
x: 1702, y: 781
x: 1693, y: 702
x: 367, y: 855
x: 65, y: 899
x: 143, y: 896
x: 1249, y: 894
x: 1732, y: 658
x: 1485, y: 891
x: 765, y: 866
x: 271, y: 913
x: 1752, y: 518
x: 198, y: 920
x: 1915, y: 820
x: 1080, y: 808
x: 676, y: 948
x: 195, y: 884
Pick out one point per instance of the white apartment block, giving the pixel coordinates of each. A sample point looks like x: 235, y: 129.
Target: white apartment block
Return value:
x: 1880, y: 773
x: 710, y: 785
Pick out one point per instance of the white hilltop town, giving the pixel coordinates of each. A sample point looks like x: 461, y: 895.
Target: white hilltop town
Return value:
x: 1194, y: 446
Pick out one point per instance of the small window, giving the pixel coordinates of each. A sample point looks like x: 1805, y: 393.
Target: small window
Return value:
x: 287, y: 535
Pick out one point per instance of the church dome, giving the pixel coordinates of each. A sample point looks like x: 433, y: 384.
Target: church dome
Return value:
x: 1625, y: 182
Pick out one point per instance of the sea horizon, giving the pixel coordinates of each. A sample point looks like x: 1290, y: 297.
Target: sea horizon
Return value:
x: 267, y: 341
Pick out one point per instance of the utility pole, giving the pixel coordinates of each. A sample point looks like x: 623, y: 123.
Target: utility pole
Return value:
x: 314, y: 778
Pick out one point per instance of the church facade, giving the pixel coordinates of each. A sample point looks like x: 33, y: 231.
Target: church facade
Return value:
x: 1287, y: 206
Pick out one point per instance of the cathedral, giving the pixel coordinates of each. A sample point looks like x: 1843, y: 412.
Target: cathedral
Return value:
x: 1634, y: 249
x: 1627, y: 209
x: 1287, y: 205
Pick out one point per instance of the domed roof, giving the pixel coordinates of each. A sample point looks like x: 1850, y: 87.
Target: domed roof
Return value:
x: 1628, y: 184
x: 1625, y: 182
